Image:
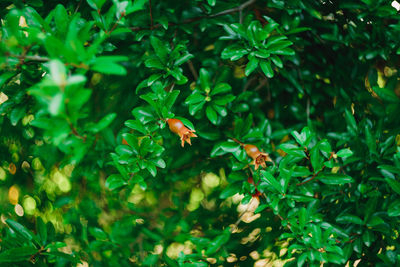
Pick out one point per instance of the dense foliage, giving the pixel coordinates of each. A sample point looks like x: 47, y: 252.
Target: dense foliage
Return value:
x: 201, y: 132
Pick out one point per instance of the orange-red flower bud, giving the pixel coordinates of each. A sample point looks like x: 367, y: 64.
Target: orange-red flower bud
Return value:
x: 258, y: 157
x: 176, y: 126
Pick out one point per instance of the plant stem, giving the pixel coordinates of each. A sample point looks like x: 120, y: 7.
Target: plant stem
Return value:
x: 151, y: 16
x: 315, y: 174
x: 187, y: 21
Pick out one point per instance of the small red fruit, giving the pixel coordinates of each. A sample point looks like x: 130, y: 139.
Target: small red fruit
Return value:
x: 176, y: 126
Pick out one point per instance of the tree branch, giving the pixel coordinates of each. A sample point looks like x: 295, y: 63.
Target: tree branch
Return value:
x: 151, y: 15
x: 193, y: 70
x: 29, y: 58
x: 75, y: 132
x: 315, y: 174
x: 122, y: 14
x: 187, y: 21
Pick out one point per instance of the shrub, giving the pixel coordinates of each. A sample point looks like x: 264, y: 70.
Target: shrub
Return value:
x: 193, y: 133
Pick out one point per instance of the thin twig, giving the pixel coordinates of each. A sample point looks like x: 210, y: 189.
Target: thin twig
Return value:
x: 116, y: 23
x: 237, y: 141
x: 262, y: 84
x: 222, y: 13
x: 78, y: 6
x: 248, y: 83
x: 151, y: 16
x: 193, y: 70
x: 75, y: 132
x: 29, y: 58
x: 233, y: 10
x: 315, y: 174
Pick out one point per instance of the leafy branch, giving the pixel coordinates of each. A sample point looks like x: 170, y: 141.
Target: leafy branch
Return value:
x: 191, y: 20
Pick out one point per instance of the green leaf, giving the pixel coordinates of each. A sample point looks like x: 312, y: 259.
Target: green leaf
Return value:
x: 389, y: 168
x: 368, y: 237
x: 230, y: 190
x: 21, y: 230
x: 395, y: 185
x: 223, y: 100
x: 345, y: 152
x: 300, y: 138
x: 351, y: 122
x: 275, y: 39
x: 108, y: 68
x: 251, y: 66
x: 160, y: 48
x: 143, y: 115
x: 284, y: 52
x: 335, y: 258
x: 137, y: 5
x: 96, y: 4
x: 154, y: 63
x: 211, y: 2
x: 229, y: 146
x: 292, y: 149
x: 17, y: 254
x: 159, y: 163
x: 183, y: 59
x: 171, y: 98
x: 297, y: 30
x: 216, y: 244
x: 301, y: 171
x: 279, y: 45
x: 61, y: 18
x: 211, y: 115
x: 204, y: 79
x: 302, y: 259
x: 195, y: 98
x: 370, y: 140
x: 237, y: 176
x: 316, y: 159
x: 349, y: 218
x: 335, y: 178
x: 115, y: 181
x: 136, y: 125
x: 233, y: 54
x: 386, y: 94
x: 4, y: 77
x: 270, y: 179
x: 151, y: 168
x: 277, y: 61
x: 16, y: 114
x: 103, y: 123
x: 220, y: 110
x: 63, y: 255
x: 394, y: 208
x: 375, y: 220
x: 178, y: 75
x: 58, y: 72
x: 221, y: 88
x: 266, y: 68
x: 98, y: 233
x: 324, y: 147
x: 41, y: 230
x: 56, y: 104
